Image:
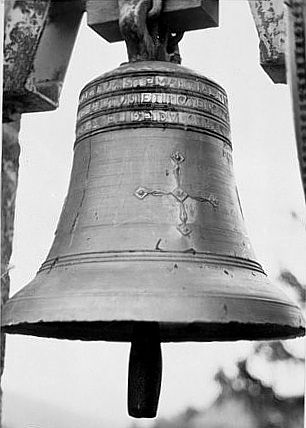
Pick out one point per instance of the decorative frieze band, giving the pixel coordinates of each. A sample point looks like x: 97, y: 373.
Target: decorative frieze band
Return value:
x: 158, y: 117
x: 199, y: 87
x: 158, y: 99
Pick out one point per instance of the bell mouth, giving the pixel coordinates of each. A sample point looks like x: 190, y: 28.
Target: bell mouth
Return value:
x: 122, y: 331
x: 190, y: 300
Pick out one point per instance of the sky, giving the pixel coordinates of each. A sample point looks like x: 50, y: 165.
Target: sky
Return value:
x: 50, y: 383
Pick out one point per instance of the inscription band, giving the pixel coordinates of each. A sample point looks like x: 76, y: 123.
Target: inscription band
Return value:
x: 158, y: 117
x: 158, y: 81
x: 159, y: 99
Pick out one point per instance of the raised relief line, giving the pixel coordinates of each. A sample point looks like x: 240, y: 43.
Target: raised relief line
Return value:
x: 184, y: 117
x: 156, y: 81
x: 188, y: 103
x: 137, y: 93
x: 160, y: 117
x: 179, y: 194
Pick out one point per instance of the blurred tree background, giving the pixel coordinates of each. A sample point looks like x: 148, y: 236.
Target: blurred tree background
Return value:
x: 262, y: 393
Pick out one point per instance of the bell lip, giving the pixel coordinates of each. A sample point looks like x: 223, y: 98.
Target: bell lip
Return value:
x: 122, y: 331
x: 178, y: 310
x: 98, y: 299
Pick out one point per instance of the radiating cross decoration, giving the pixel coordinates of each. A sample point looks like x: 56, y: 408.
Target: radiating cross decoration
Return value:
x: 179, y: 194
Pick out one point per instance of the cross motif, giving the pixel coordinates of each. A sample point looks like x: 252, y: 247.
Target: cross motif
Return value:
x: 179, y: 194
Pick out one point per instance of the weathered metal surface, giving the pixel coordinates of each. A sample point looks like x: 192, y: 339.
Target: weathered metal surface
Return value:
x: 9, y: 180
x: 296, y: 59
x: 119, y: 258
x: 38, y: 40
x: 270, y: 23
x: 180, y: 15
x: 196, y: 104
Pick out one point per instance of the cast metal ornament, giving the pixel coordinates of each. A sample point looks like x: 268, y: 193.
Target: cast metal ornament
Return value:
x: 179, y: 194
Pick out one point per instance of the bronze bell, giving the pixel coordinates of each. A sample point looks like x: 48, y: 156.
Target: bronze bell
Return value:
x: 151, y: 236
